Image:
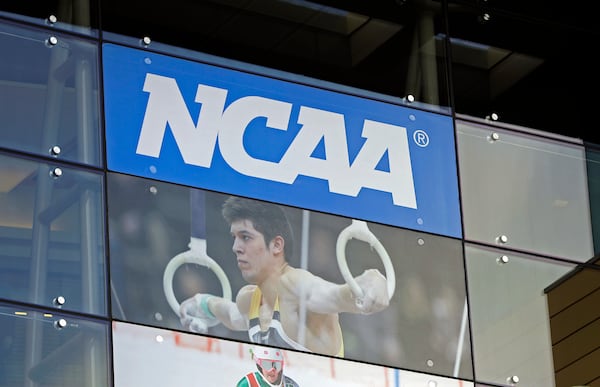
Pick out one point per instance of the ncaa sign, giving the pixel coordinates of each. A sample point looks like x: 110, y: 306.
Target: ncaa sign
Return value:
x: 214, y: 128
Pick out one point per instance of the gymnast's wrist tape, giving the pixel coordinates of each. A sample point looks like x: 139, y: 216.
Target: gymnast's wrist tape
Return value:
x: 204, y: 305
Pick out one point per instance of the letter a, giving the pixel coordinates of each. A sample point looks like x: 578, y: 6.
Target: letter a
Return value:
x: 399, y: 180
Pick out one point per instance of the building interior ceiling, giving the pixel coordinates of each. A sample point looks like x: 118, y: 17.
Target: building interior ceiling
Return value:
x: 375, y: 46
x: 518, y: 57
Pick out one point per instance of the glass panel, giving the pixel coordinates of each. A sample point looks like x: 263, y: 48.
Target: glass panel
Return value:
x: 49, y: 101
x: 593, y: 171
x: 529, y: 189
x: 552, y: 12
x: 141, y: 354
x: 51, y: 236
x: 158, y: 232
x: 74, y: 15
x: 388, y: 49
x: 509, y: 315
x: 514, y: 64
x: 52, y: 349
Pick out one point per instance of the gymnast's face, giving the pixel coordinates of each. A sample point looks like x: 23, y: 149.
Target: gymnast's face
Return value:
x: 256, y: 259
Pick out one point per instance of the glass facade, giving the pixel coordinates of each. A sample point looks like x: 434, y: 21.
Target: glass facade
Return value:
x: 531, y: 191
x: 53, y: 240
x: 507, y: 300
x: 50, y: 104
x: 51, y: 348
x: 96, y: 260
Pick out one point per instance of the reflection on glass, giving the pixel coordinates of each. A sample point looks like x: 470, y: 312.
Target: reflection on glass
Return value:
x: 397, y: 52
x: 524, y: 192
x: 49, y: 95
x: 593, y: 174
x: 51, y: 236
x: 141, y: 354
x: 512, y: 62
x: 74, y: 15
x: 52, y: 349
x: 509, y: 315
x: 424, y: 327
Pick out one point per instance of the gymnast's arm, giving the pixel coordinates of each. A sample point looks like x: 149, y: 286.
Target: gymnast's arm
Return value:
x: 322, y: 296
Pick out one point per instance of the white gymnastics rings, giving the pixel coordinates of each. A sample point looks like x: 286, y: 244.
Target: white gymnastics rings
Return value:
x: 198, y: 257
x: 359, y: 230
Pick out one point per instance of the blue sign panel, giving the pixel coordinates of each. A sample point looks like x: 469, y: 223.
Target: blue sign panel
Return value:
x: 214, y: 128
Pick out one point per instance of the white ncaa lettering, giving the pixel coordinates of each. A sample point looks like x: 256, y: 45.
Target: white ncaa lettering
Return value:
x: 196, y: 142
x: 233, y: 124
x: 398, y: 181
x: 316, y: 125
x: 167, y: 107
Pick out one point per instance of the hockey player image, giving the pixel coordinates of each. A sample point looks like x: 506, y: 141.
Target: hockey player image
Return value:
x: 270, y: 363
x: 281, y: 305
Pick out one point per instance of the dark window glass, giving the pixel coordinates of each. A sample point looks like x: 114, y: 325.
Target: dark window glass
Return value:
x: 52, y: 349
x: 394, y: 48
x: 52, y: 236
x: 49, y: 102
x: 593, y: 183
x: 80, y: 16
x: 576, y: 14
x: 529, y: 69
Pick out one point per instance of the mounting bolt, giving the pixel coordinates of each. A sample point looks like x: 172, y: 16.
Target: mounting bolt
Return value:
x: 56, y: 172
x: 502, y: 260
x: 55, y: 150
x: 502, y: 239
x: 60, y: 324
x: 59, y: 301
x: 52, y: 41
x: 492, y: 117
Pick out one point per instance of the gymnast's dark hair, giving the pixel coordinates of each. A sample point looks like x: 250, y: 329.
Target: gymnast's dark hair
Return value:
x: 267, y: 218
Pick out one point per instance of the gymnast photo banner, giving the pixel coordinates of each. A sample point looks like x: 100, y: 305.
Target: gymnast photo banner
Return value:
x: 220, y: 129
x: 194, y: 260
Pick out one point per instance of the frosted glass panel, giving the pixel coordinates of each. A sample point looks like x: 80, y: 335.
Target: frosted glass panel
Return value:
x: 531, y: 190
x: 510, y: 320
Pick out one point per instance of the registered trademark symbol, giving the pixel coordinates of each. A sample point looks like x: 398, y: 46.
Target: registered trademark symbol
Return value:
x: 421, y: 138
